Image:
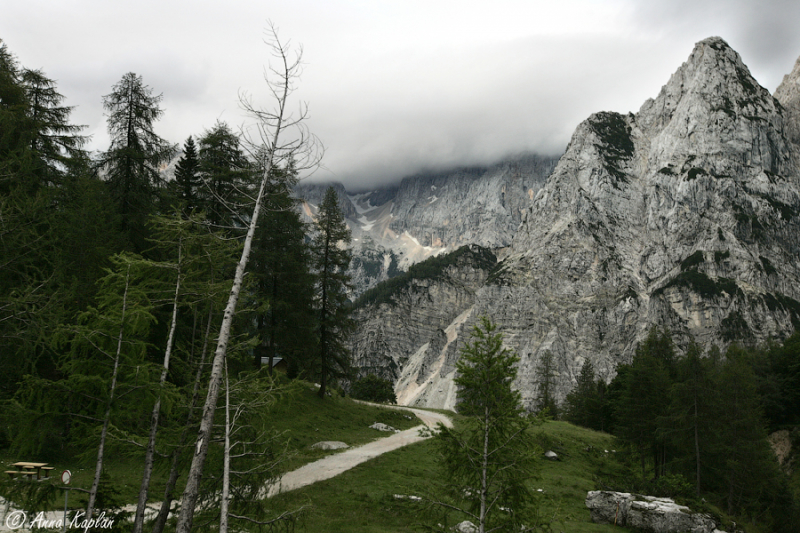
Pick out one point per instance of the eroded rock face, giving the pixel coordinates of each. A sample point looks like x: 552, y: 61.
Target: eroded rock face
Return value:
x: 646, y: 513
x: 408, y: 337
x: 429, y: 214
x: 685, y: 215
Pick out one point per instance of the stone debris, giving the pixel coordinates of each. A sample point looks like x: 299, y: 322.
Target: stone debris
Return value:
x: 466, y: 527
x: 330, y: 445
x: 383, y: 427
x: 647, y: 513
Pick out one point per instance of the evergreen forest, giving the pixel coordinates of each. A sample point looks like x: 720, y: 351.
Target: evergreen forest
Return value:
x: 116, y: 284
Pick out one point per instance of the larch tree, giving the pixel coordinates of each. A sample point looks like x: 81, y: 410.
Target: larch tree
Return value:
x: 272, y: 145
x: 489, y: 461
x: 136, y: 151
x: 331, y: 261
x: 55, y: 142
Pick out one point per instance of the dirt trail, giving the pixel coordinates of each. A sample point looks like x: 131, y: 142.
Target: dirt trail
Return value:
x: 335, y: 464
x: 325, y: 468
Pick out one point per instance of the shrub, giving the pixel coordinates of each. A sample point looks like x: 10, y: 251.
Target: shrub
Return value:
x: 372, y: 388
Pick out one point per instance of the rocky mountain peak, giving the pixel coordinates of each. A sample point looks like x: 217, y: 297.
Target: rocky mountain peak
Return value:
x: 788, y: 94
x: 713, y: 75
x: 713, y: 105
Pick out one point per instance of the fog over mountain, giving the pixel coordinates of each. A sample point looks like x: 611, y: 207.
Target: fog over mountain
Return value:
x: 684, y: 215
x: 394, y: 88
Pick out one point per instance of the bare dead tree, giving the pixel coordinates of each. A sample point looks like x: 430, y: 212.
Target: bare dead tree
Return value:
x: 107, y: 417
x: 138, y: 521
x: 277, y: 137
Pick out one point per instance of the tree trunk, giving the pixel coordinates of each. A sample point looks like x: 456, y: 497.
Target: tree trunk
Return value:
x: 270, y: 128
x: 226, y: 459
x: 138, y: 521
x: 104, y: 432
x: 696, y: 442
x: 484, y: 472
x: 172, y: 479
x: 192, y: 489
x: 323, y: 339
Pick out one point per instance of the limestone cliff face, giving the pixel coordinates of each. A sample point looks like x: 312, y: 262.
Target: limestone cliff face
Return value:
x: 425, y: 215
x: 788, y: 94
x: 403, y: 335
x: 478, y: 205
x: 684, y: 215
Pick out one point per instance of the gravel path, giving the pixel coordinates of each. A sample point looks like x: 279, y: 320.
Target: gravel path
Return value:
x: 335, y: 464
x: 325, y: 468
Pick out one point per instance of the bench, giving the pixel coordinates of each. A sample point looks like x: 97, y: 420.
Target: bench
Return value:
x: 13, y: 473
x: 46, y: 470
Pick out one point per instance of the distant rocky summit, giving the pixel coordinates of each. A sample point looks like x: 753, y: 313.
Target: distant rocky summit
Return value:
x: 428, y: 214
x: 684, y: 215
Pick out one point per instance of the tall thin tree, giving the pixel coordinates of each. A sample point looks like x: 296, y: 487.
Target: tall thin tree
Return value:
x: 136, y: 151
x: 269, y: 144
x: 331, y: 261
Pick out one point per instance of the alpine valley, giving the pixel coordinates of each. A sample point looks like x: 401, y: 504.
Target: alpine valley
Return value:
x: 684, y: 215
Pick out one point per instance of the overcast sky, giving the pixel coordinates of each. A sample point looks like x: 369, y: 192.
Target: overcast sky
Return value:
x: 394, y: 87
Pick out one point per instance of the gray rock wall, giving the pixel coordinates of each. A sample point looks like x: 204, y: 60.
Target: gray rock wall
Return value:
x: 684, y: 215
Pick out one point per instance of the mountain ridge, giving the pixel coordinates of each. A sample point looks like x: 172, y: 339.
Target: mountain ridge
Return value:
x: 683, y: 215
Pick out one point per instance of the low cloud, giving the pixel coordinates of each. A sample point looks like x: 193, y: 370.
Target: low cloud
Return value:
x: 392, y: 92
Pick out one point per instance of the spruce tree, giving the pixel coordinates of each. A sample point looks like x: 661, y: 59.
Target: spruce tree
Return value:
x: 225, y: 172
x: 284, y: 283
x: 692, y: 421
x: 546, y: 380
x: 331, y: 261
x: 136, y: 152
x: 745, y: 463
x: 187, y: 180
x: 582, y: 405
x: 642, y: 400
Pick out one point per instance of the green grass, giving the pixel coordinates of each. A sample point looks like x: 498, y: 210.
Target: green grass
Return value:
x: 362, y: 499
x: 304, y: 419
x: 301, y: 418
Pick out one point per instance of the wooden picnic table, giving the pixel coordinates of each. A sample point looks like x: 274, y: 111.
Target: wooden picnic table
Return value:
x: 25, y: 468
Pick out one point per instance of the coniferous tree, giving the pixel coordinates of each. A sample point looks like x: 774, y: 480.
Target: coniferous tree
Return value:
x: 546, y: 380
x: 37, y: 148
x: 692, y: 421
x: 135, y: 154
x: 16, y: 131
x: 225, y: 173
x: 331, y: 261
x: 187, y: 181
x: 745, y: 463
x: 583, y: 404
x: 642, y: 399
x: 284, y: 285
x: 55, y: 142
x: 489, y: 461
